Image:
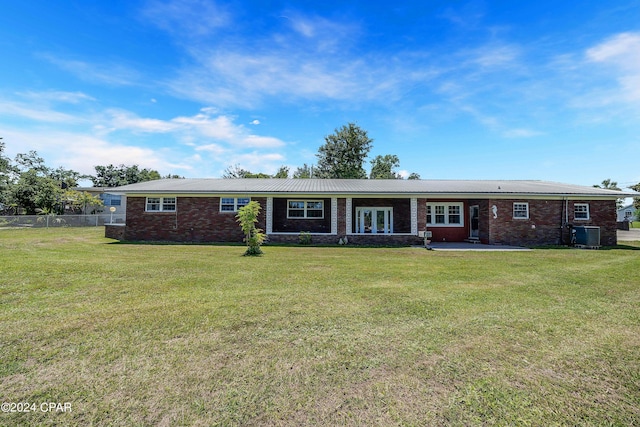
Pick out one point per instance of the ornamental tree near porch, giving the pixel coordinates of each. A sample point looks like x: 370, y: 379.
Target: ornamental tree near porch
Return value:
x: 254, y: 237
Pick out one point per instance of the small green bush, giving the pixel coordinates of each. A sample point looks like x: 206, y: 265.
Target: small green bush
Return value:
x: 305, y: 238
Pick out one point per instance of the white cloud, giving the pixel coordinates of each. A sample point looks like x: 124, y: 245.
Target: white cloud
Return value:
x: 621, y: 55
x: 188, y: 18
x: 35, y: 112
x: 622, y: 49
x: 521, y: 133
x: 255, y: 122
x: 109, y: 73
x: 56, y: 96
x: 121, y: 119
x: 81, y: 151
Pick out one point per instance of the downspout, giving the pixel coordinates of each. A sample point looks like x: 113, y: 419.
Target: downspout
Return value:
x: 564, y: 218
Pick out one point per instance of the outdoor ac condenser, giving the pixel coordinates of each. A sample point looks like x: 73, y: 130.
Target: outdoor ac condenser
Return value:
x: 587, y: 235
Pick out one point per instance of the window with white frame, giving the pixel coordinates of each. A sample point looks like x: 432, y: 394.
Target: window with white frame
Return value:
x: 161, y: 204
x: 232, y: 204
x: 581, y: 211
x: 520, y: 210
x: 310, y: 209
x: 445, y: 214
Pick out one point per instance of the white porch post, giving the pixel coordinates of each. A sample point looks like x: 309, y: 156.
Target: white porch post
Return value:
x: 414, y: 216
x: 269, y: 215
x: 348, y: 215
x: 334, y: 215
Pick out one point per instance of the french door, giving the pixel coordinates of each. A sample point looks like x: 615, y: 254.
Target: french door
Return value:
x: 474, y: 222
x: 374, y: 220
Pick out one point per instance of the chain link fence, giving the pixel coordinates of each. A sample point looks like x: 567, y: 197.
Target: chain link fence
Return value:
x: 46, y: 221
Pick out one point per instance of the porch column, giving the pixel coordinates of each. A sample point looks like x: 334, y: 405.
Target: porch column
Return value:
x: 347, y: 215
x: 334, y: 215
x: 414, y: 216
x: 269, y: 215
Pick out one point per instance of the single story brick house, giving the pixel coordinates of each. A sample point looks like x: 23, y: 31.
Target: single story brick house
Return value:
x: 527, y: 213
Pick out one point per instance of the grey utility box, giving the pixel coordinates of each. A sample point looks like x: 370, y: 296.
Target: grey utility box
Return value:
x: 587, y: 235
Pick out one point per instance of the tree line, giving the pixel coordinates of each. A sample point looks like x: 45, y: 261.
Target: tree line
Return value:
x: 28, y: 186
x: 342, y: 156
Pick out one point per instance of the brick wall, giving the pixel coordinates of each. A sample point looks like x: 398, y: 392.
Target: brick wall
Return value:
x: 545, y: 223
x: 114, y: 231
x: 197, y: 219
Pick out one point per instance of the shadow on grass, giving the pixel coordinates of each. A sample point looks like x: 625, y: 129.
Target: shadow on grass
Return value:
x: 237, y: 244
x: 601, y: 248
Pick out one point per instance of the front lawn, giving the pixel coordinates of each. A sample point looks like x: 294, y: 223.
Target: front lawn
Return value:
x: 132, y: 334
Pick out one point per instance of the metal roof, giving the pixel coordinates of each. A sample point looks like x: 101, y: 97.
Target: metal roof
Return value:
x: 275, y: 186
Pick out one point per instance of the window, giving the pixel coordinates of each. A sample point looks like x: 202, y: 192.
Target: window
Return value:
x: 161, y: 204
x: 581, y: 211
x: 445, y: 215
x: 521, y: 211
x: 313, y: 209
x: 232, y: 204
x: 111, y: 199
x: 454, y: 214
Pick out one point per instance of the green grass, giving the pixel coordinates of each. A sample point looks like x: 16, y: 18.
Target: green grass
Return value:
x: 198, y: 335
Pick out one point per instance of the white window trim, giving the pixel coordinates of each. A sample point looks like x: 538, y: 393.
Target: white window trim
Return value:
x: 162, y: 203
x: 587, y: 212
x: 235, y: 204
x: 526, y: 204
x: 446, y: 223
x: 305, y: 201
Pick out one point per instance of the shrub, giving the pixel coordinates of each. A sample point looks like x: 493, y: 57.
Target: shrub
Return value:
x: 305, y: 238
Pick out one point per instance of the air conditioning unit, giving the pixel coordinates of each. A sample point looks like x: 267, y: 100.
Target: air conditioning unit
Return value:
x: 587, y: 235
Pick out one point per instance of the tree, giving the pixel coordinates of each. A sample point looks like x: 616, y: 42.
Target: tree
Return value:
x: 7, y: 171
x: 305, y: 171
x: 283, y: 172
x: 343, y: 153
x: 236, y: 172
x: 636, y: 200
x: 31, y: 161
x: 67, y: 178
x: 611, y: 185
x: 34, y: 192
x: 254, y: 237
x: 382, y: 167
x: 115, y: 176
x: 413, y: 175
x: 81, y: 201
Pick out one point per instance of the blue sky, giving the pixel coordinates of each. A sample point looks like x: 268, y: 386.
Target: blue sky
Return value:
x: 457, y: 89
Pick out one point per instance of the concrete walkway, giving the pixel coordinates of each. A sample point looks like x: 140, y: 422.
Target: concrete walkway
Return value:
x: 627, y: 236
x: 631, y: 235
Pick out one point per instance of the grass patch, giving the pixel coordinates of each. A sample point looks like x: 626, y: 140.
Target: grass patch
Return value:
x: 199, y: 335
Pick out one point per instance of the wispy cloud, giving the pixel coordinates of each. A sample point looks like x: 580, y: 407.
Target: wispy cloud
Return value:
x: 56, y: 96
x: 38, y: 113
x: 187, y: 18
x: 126, y: 120
x: 621, y: 54
x: 109, y: 73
